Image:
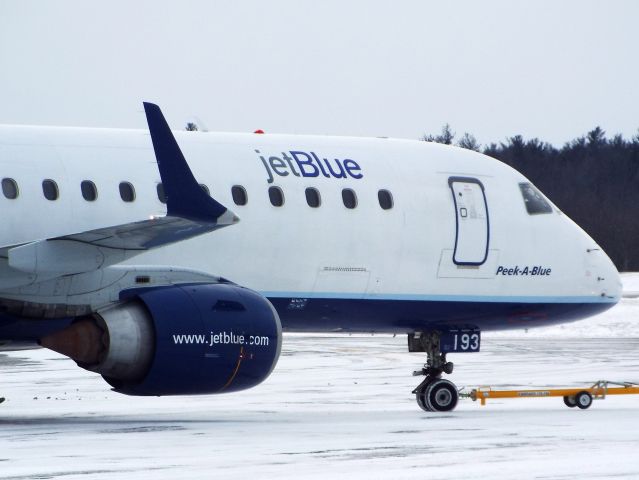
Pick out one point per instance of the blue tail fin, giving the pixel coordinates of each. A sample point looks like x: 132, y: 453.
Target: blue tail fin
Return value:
x: 185, y: 197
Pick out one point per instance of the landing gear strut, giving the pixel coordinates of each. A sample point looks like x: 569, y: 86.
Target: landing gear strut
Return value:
x: 434, y: 394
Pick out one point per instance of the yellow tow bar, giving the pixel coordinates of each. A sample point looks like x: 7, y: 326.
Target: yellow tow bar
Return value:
x: 573, y: 397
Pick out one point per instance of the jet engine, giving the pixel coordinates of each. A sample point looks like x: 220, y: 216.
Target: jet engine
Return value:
x: 177, y: 340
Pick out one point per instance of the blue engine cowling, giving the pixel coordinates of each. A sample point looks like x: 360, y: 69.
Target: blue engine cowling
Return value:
x: 189, y: 339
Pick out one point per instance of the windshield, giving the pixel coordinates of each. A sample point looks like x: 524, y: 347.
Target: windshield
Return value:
x: 534, y: 200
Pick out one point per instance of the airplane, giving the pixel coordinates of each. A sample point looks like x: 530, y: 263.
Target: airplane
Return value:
x: 175, y: 277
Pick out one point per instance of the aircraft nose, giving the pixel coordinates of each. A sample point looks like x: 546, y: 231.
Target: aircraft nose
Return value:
x: 617, y: 287
x: 607, y: 276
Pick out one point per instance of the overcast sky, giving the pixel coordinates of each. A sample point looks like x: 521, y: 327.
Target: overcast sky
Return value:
x: 547, y: 69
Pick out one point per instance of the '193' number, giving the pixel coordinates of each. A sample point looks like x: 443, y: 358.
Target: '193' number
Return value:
x: 466, y: 342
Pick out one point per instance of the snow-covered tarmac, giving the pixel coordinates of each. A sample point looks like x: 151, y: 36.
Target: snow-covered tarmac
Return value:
x: 338, y: 407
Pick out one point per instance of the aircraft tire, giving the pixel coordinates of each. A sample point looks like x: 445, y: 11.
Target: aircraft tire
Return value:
x: 442, y: 395
x: 422, y: 399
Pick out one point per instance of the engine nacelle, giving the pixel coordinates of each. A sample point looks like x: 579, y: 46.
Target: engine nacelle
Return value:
x: 178, y: 340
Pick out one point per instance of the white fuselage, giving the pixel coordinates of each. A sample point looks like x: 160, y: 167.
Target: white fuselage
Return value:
x: 295, y: 251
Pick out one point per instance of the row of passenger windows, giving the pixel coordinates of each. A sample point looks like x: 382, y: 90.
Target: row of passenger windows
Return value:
x: 51, y: 191
x: 240, y: 196
x: 314, y: 199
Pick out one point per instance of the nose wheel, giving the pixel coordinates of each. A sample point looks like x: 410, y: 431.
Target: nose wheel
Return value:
x: 433, y: 394
x: 439, y: 395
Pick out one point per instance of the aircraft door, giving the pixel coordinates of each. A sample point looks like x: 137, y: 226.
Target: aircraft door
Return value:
x: 472, y: 233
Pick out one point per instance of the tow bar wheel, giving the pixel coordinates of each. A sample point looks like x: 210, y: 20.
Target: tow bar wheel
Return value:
x: 570, y: 401
x: 583, y: 399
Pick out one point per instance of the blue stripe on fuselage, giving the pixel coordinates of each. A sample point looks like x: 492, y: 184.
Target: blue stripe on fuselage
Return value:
x: 444, y: 298
x: 302, y: 314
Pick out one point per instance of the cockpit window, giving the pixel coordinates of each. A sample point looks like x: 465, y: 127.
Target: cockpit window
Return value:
x: 535, y: 202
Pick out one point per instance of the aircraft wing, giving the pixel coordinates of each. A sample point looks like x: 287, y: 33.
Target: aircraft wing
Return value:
x: 190, y: 212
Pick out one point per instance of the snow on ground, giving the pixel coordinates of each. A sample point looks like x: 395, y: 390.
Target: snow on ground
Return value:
x: 337, y: 407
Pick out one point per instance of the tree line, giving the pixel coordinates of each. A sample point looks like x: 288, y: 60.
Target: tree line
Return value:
x: 593, y: 179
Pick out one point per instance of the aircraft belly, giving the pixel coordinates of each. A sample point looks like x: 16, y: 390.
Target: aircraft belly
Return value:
x: 404, y: 316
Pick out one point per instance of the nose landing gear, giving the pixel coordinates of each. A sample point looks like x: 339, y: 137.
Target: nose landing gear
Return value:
x: 434, y: 394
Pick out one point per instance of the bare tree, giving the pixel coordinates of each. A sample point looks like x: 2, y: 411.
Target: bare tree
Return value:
x: 446, y: 137
x: 469, y: 142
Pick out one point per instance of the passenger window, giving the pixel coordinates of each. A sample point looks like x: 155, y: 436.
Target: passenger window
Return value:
x: 349, y: 198
x: 239, y: 195
x: 50, y: 189
x: 161, y: 194
x: 276, y: 196
x: 89, y: 192
x: 206, y: 189
x: 534, y: 200
x: 385, y: 199
x: 127, y: 192
x: 10, y: 188
x: 313, y: 197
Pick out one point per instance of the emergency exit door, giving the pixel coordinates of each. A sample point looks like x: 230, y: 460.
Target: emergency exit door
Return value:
x: 472, y: 233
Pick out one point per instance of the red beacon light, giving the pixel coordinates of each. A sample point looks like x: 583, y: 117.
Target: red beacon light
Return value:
x: 259, y: 131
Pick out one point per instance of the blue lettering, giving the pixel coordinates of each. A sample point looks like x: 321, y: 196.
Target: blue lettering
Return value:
x: 526, y: 270
x: 352, y: 167
x: 314, y: 172
x: 340, y: 174
x: 303, y: 164
x: 319, y: 164
x: 540, y: 271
